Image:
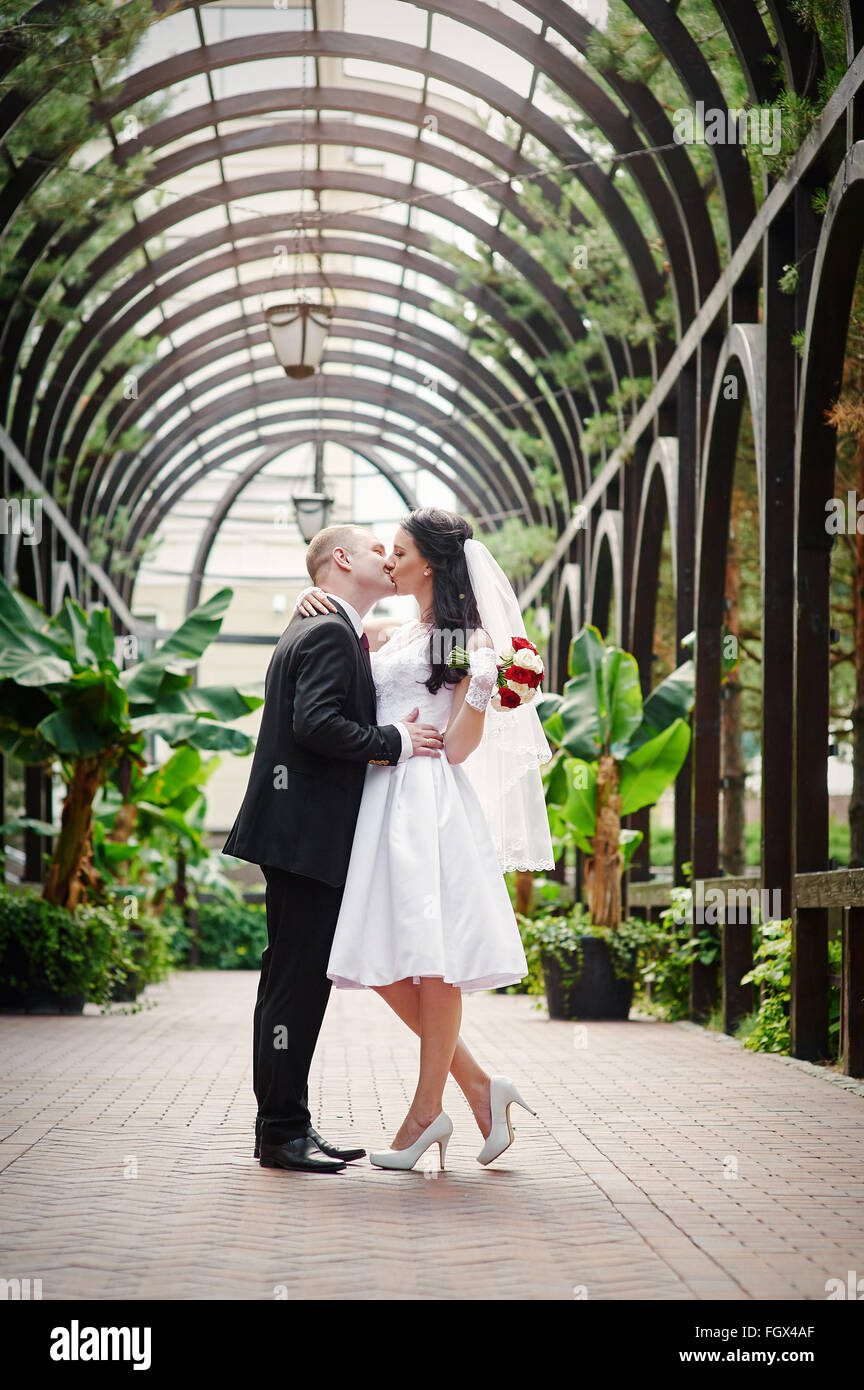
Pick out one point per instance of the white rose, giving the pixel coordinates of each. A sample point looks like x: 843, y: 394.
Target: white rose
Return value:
x: 508, y: 657
x: 526, y: 693
x: 529, y: 661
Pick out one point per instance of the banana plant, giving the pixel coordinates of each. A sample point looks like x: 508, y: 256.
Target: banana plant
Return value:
x: 146, y: 816
x: 63, y: 698
x: 615, y: 755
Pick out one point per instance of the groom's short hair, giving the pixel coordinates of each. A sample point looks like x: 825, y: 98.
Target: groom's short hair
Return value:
x: 323, y: 544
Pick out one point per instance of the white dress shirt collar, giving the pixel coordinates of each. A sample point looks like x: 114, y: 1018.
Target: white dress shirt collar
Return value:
x: 350, y: 612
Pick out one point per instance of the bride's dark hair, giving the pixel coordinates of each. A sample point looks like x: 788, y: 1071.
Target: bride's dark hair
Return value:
x: 440, y: 538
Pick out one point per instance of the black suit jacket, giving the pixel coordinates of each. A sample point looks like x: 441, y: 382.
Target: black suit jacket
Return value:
x: 318, y: 732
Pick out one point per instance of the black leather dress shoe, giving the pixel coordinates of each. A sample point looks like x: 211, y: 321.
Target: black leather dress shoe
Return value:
x: 301, y: 1154
x: 347, y: 1155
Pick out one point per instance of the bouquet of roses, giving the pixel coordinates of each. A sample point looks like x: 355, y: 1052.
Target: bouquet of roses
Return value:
x: 520, y: 671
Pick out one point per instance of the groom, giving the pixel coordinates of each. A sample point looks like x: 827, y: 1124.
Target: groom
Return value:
x: 297, y: 821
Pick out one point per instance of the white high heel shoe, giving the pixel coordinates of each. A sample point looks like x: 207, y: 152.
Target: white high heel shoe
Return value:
x: 437, y: 1133
x: 502, y: 1094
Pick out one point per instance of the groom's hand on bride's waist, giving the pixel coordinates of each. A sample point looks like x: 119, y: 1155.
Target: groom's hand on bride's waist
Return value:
x: 426, y: 740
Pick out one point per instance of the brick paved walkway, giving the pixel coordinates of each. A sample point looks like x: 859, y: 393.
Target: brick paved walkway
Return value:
x: 623, y: 1187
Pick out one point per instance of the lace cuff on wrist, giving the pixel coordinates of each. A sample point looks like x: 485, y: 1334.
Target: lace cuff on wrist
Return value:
x: 483, y: 665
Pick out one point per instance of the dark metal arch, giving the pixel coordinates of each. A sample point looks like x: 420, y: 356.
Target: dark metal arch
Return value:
x: 643, y: 106
x: 679, y: 46
x: 71, y: 367
x: 447, y: 427
x: 606, y: 579
x: 471, y: 447
x: 37, y: 365
x: 567, y: 620
x: 338, y: 281
x: 251, y: 252
x: 831, y: 291
x: 341, y: 388
x: 375, y: 317
x: 658, y: 505
x: 394, y: 333
x: 270, y: 454
x: 149, y: 523
x: 742, y: 359
x: 327, y: 44
x: 206, y: 152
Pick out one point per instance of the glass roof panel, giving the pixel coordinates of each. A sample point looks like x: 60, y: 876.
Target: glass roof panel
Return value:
x: 265, y: 73
x: 176, y: 33
x: 387, y: 19
x: 486, y: 54
x: 382, y: 73
x: 226, y: 21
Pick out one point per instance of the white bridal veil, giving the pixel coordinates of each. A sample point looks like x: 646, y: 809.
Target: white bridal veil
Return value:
x: 505, y: 767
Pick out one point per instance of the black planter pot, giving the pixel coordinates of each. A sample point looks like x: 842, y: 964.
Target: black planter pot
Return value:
x: 39, y: 999
x: 596, y: 991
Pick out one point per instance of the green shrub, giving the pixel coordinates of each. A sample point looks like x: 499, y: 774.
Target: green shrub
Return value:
x: 43, y: 947
x: 232, y: 935
x: 767, y: 1028
x: 669, y: 949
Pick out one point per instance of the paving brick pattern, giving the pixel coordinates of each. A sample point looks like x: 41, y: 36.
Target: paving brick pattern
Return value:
x: 662, y: 1165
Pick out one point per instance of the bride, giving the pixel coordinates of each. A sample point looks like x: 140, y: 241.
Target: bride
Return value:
x: 426, y: 914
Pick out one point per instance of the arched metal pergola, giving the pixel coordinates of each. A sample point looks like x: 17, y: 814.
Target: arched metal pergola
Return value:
x: 211, y: 388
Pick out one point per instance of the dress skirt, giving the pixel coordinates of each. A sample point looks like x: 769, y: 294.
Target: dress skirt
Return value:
x: 424, y: 894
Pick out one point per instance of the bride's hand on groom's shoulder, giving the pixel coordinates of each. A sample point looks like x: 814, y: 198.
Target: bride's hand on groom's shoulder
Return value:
x: 314, y: 602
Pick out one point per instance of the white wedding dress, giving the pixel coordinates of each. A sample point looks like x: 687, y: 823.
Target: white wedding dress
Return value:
x: 425, y: 893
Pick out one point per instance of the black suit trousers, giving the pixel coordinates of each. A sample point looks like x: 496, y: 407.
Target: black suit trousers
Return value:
x: 292, y: 997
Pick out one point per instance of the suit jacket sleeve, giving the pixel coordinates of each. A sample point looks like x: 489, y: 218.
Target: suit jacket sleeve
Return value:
x: 325, y: 664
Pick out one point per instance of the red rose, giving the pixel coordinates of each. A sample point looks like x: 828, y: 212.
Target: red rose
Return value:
x: 522, y: 676
x: 509, y: 698
x: 520, y: 642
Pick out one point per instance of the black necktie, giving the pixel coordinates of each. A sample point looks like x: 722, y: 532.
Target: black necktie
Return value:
x: 364, y: 643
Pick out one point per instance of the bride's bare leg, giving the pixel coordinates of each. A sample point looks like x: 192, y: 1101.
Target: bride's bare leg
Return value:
x: 404, y: 999
x: 440, y: 1016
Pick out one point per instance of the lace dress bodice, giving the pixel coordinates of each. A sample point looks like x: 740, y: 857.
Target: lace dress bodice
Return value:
x: 399, y: 669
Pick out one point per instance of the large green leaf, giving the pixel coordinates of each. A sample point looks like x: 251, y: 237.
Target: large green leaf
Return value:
x: 628, y: 842
x: 583, y: 709
x: 71, y: 731
x: 221, y: 701
x: 196, y: 633
x: 672, y: 699
x: 20, y: 625
x: 580, y: 809
x: 622, y: 694
x: 72, y: 623
x: 25, y: 745
x: 220, y: 738
x: 651, y: 768
x: 546, y: 705
x: 34, y: 668
x: 190, y: 728
x: 145, y: 682
x: 92, y: 718
x: 42, y: 827
x: 554, y: 778
x: 181, y: 776
x: 100, y: 637
x: 171, y: 727
x: 170, y: 818
x: 553, y: 728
